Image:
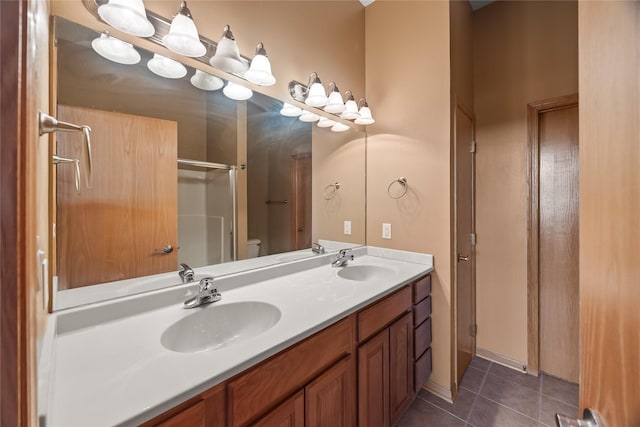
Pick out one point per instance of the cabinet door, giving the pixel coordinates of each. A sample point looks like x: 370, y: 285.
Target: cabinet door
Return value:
x: 190, y: 417
x: 289, y: 414
x: 373, y: 381
x: 400, y: 366
x: 330, y: 398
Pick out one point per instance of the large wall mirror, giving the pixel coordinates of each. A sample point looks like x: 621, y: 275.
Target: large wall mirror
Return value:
x: 183, y: 174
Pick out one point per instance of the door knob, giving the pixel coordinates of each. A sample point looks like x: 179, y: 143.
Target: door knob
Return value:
x: 463, y: 258
x: 166, y: 250
x: 589, y: 419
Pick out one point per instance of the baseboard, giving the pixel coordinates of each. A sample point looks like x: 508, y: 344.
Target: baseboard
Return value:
x: 439, y: 390
x: 502, y: 360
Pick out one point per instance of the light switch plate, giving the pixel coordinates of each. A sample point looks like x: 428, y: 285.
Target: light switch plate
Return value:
x: 386, y: 230
x: 347, y: 228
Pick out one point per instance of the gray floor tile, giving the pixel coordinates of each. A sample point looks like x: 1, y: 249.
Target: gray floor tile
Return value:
x: 480, y: 363
x: 472, y: 379
x: 490, y: 414
x: 461, y: 406
x: 422, y: 414
x: 560, y: 390
x: 516, y: 396
x: 549, y: 407
x: 515, y: 376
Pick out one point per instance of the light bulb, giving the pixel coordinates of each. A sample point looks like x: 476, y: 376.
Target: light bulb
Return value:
x: 183, y: 35
x: 115, y: 50
x: 365, y: 116
x: 335, y: 103
x: 227, y: 56
x: 260, y: 70
x: 128, y: 16
x: 165, y: 67
x: 206, y: 81
x: 237, y: 92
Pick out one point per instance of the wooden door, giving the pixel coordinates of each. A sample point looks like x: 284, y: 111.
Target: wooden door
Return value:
x: 330, y: 398
x: 288, y: 414
x: 301, y: 201
x: 558, y: 242
x: 609, y: 66
x: 116, y: 229
x: 400, y: 366
x: 464, y: 215
x: 373, y: 382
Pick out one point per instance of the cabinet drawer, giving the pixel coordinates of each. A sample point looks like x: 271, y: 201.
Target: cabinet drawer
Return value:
x: 288, y: 414
x: 422, y: 338
x: 421, y: 311
x: 381, y: 314
x: 190, y: 417
x: 421, y: 289
x: 422, y: 369
x: 251, y: 394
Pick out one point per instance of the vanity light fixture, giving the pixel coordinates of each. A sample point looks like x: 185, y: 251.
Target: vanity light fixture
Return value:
x: 365, y: 115
x: 351, y: 108
x: 260, y: 70
x: 115, y: 49
x: 340, y: 127
x: 206, y: 81
x: 165, y: 67
x: 183, y: 35
x: 237, y: 92
x: 227, y: 56
x: 128, y: 16
x: 316, y: 95
x: 290, y: 110
x: 308, y: 117
x: 326, y: 123
x: 335, y: 103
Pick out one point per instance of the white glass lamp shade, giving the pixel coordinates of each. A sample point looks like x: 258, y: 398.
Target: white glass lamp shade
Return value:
x: 365, y: 116
x: 335, y: 103
x: 128, y: 16
x: 289, y: 110
x: 260, y: 71
x: 339, y: 127
x: 165, y: 67
x: 227, y: 56
x: 237, y: 92
x: 309, y: 117
x: 325, y: 123
x: 206, y: 81
x: 183, y: 37
x: 115, y: 50
x: 350, y: 111
x: 317, y: 96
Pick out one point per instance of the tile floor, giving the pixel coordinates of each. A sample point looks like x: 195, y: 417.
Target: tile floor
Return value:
x: 494, y: 396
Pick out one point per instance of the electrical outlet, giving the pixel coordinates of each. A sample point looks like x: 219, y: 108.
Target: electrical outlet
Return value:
x: 386, y: 231
x: 347, y: 228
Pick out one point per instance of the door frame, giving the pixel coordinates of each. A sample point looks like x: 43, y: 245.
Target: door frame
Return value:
x: 534, y: 110
x: 469, y: 113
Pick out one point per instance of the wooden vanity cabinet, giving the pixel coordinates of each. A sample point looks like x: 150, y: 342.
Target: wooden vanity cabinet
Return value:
x: 205, y: 410
x: 422, y: 330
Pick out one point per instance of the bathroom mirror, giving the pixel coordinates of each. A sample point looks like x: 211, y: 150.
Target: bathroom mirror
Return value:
x: 210, y: 179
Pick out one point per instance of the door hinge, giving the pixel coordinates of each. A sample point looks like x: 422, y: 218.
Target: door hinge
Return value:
x: 472, y: 239
x: 472, y: 147
x: 473, y: 330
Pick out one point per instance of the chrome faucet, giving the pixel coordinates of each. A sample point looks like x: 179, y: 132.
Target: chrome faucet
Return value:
x: 206, y: 294
x: 344, y: 256
x: 186, y: 273
x: 317, y: 248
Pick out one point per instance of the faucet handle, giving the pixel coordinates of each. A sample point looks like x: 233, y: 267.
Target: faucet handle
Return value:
x: 186, y: 273
x: 206, y: 285
x: 317, y: 248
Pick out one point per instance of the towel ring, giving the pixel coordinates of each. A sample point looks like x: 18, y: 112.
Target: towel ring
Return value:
x: 402, y: 181
x: 328, y: 193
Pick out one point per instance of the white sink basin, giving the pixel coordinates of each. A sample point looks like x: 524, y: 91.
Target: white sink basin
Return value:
x: 365, y: 272
x: 216, y: 326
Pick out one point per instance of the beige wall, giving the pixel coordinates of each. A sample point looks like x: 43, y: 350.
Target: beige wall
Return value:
x: 408, y: 75
x: 523, y: 52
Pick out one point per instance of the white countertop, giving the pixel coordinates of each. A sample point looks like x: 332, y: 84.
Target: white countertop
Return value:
x: 108, y: 366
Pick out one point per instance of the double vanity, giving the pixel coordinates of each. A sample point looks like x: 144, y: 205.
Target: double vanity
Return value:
x: 298, y: 343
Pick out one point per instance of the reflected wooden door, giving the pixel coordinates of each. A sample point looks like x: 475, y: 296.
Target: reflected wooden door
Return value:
x: 300, y: 201
x: 464, y: 213
x: 116, y: 229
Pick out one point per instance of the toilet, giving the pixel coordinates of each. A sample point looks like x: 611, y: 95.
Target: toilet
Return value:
x: 253, y: 248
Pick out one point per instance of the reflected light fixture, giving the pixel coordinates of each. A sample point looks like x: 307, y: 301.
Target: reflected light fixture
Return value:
x: 237, y: 92
x: 227, y: 56
x: 309, y: 117
x: 316, y: 95
x: 206, y: 81
x: 260, y: 70
x: 183, y: 35
x: 351, y: 108
x: 325, y: 123
x: 290, y: 110
x: 340, y: 127
x: 335, y: 103
x: 165, y: 67
x: 115, y: 49
x: 365, y: 115
x: 128, y: 16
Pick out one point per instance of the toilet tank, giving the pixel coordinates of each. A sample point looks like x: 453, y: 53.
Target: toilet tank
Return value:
x: 253, y: 248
